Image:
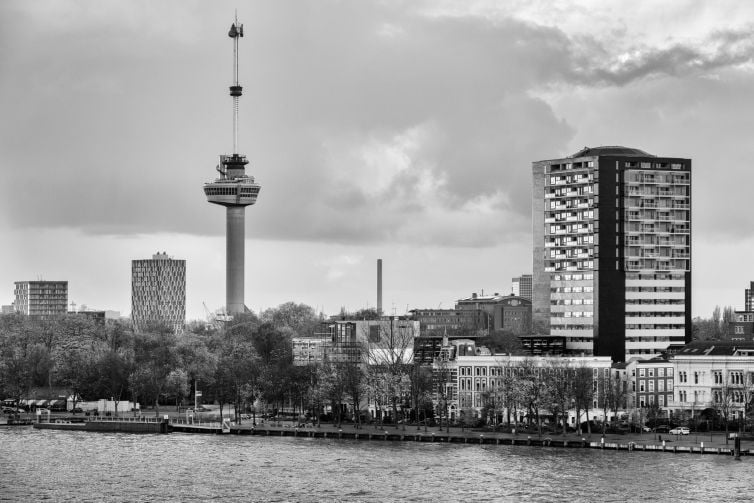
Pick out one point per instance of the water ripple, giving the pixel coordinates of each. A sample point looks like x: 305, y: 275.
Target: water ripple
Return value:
x: 81, y: 466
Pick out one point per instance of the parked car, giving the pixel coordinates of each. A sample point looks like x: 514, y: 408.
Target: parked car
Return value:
x: 681, y: 430
x: 199, y: 409
x: 663, y: 428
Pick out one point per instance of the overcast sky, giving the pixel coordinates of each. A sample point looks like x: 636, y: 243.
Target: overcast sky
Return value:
x: 395, y: 130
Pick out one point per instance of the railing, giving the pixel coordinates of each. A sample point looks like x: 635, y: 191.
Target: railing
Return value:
x: 125, y: 419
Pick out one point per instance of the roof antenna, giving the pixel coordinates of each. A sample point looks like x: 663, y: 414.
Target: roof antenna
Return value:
x: 236, y: 31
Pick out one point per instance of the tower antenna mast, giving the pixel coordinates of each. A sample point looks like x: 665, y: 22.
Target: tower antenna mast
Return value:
x: 236, y: 32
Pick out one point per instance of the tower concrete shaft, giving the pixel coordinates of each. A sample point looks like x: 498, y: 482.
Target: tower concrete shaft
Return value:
x: 234, y: 257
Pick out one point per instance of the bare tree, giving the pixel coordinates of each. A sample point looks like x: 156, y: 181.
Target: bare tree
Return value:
x: 583, y: 394
x: 560, y: 390
x: 390, y: 353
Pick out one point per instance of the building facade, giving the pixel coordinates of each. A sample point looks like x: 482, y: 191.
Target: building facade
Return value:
x: 741, y: 327
x: 652, y: 383
x: 713, y: 375
x: 367, y: 342
x: 504, y: 312
x: 158, y: 292
x: 612, y: 251
x: 521, y: 286
x: 41, y: 298
x: 468, y: 378
x: 749, y: 298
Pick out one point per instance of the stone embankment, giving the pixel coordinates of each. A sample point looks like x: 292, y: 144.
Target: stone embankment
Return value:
x: 488, y: 438
x: 631, y: 443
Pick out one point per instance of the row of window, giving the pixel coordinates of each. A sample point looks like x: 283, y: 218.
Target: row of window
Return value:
x: 735, y: 377
x: 655, y: 326
x: 574, y: 302
x: 572, y: 289
x: 649, y: 385
x: 573, y: 277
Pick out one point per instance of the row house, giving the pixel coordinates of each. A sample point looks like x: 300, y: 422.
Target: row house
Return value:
x: 715, y: 375
x: 652, y: 382
x: 467, y: 377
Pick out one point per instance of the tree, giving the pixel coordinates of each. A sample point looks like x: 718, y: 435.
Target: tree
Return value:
x: 113, y: 368
x: 389, y: 354
x: 78, y: 373
x: 560, y: 390
x: 154, y: 358
x: 533, y: 385
x: 583, y: 394
x: 237, y: 368
x: 177, y: 386
x: 15, y: 370
x: 352, y: 375
x: 197, y: 360
x: 444, y: 385
x: 300, y: 318
x: 723, y: 401
x: 611, y: 395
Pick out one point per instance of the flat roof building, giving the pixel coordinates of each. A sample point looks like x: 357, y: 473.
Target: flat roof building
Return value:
x: 612, y: 251
x: 158, y: 292
x: 41, y: 298
x: 521, y: 286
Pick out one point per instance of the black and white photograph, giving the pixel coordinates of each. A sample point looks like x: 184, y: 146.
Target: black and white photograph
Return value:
x: 376, y: 250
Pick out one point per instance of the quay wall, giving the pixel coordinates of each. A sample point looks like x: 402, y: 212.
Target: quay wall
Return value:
x: 441, y: 437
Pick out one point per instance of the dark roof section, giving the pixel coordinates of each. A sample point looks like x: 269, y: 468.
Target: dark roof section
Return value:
x: 617, y: 151
x: 707, y: 348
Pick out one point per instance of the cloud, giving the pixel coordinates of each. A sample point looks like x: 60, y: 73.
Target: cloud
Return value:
x: 363, y: 122
x: 720, y: 49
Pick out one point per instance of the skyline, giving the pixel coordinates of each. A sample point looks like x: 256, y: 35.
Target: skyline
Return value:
x: 401, y: 131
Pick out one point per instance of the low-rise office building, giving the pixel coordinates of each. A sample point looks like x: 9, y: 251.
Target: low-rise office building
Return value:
x: 41, y: 298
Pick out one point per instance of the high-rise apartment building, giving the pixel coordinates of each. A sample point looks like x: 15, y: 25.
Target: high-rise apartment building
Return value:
x: 521, y: 286
x: 749, y: 298
x: 158, y: 292
x: 612, y: 251
x: 41, y: 298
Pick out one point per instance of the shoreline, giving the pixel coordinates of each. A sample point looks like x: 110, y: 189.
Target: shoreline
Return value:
x: 628, y: 443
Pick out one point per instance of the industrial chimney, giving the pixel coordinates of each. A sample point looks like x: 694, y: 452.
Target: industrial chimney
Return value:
x: 379, y: 287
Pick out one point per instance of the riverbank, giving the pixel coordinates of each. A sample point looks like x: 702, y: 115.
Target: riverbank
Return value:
x: 714, y: 443
x: 691, y: 444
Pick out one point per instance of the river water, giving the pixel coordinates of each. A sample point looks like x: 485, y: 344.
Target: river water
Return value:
x: 80, y: 466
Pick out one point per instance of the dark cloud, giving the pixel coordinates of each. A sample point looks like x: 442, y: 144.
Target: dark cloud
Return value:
x: 363, y: 122
x: 720, y: 50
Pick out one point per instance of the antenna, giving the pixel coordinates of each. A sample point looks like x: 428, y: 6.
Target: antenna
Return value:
x: 236, y: 32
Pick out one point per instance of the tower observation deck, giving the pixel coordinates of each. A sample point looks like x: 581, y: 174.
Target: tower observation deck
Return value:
x: 235, y: 190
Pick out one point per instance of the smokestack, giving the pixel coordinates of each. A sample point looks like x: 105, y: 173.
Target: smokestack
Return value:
x: 379, y: 286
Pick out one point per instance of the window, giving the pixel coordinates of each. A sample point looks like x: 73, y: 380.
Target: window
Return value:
x: 696, y: 377
x: 650, y: 372
x: 717, y: 376
x: 651, y: 386
x: 641, y: 385
x: 661, y: 385
x: 661, y: 400
x: 739, y: 329
x: 641, y: 372
x: 661, y: 372
x: 737, y: 377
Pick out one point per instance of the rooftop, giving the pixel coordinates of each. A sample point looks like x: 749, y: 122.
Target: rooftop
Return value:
x: 612, y: 150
